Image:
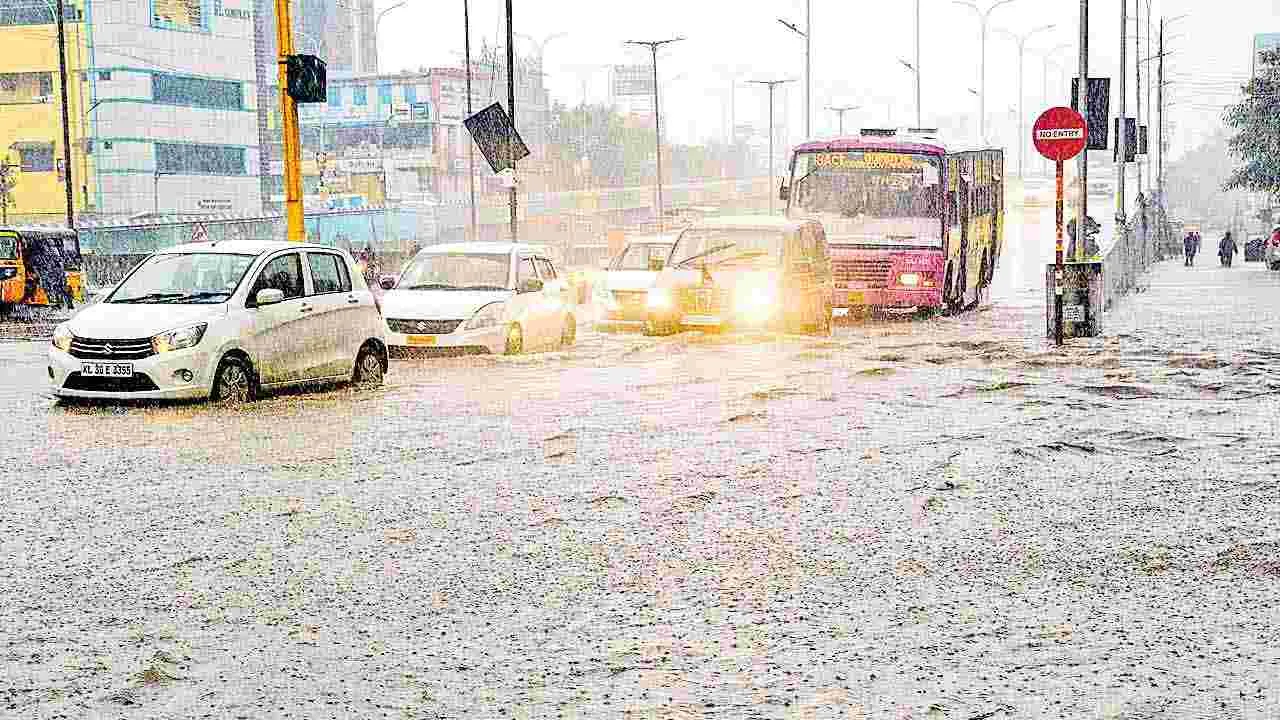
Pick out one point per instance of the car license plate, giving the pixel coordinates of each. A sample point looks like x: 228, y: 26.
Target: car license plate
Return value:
x: 422, y: 340
x: 106, y: 369
x: 857, y: 298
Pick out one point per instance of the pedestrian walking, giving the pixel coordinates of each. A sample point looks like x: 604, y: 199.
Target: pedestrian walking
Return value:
x: 1227, y: 249
x: 1189, y: 249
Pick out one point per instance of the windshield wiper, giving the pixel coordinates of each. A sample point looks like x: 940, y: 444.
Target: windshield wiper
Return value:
x: 205, y: 295
x: 149, y: 297
x: 431, y: 286
x: 481, y: 287
x: 712, y: 251
x: 745, y: 255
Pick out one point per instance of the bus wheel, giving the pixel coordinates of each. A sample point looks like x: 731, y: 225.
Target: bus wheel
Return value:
x: 950, y: 306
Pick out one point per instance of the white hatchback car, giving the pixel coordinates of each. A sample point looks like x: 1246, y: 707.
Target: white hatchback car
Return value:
x: 498, y: 297
x: 223, y: 320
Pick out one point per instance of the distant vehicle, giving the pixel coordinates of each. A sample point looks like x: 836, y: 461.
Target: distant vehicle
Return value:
x: 24, y: 252
x: 621, y: 295
x: 495, y: 297
x: 1273, y: 249
x: 745, y: 272
x: 1039, y: 192
x: 912, y: 221
x: 1255, y: 249
x: 223, y: 320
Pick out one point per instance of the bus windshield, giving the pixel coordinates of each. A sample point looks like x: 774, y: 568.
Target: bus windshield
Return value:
x: 870, y: 197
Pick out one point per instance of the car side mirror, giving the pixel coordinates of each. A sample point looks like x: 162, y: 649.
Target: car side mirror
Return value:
x: 268, y: 296
x: 656, y: 264
x: 531, y: 285
x: 784, y: 192
x: 387, y: 282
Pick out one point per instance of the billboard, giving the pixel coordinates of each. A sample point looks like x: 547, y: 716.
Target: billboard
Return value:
x: 1263, y: 41
x: 632, y: 80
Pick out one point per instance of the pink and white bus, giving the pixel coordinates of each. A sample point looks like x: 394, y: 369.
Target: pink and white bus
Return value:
x: 911, y: 222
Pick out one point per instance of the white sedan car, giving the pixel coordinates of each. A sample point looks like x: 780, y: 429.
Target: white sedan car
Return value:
x: 223, y: 320
x: 497, y: 297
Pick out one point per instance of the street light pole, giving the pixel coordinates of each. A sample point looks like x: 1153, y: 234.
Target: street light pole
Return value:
x: 983, y: 17
x: 1021, y: 40
x: 653, y: 46
x: 1082, y: 207
x: 1122, y: 137
x: 377, y: 23
x: 840, y: 111
x: 771, y: 85
x: 919, y: 122
x: 808, y: 87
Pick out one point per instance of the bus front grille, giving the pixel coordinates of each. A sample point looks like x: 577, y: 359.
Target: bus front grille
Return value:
x: 861, y: 273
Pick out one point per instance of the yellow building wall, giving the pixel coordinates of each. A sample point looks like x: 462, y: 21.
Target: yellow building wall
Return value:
x: 40, y: 196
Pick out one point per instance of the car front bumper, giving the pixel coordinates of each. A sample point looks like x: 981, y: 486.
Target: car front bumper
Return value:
x: 154, y: 378
x: 493, y: 339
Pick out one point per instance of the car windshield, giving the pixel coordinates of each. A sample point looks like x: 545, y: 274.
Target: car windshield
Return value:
x: 718, y: 246
x: 457, y: 271
x: 637, y: 257
x: 8, y: 247
x: 184, y: 278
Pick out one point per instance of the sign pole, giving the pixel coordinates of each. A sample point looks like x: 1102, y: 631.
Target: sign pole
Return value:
x: 1058, y: 271
x: 511, y: 104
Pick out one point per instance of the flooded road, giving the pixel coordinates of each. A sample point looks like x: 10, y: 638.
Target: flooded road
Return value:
x: 938, y: 519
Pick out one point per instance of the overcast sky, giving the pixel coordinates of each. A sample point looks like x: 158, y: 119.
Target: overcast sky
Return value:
x: 856, y: 45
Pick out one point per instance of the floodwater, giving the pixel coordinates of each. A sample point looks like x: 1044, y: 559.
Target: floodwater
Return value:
x: 911, y: 519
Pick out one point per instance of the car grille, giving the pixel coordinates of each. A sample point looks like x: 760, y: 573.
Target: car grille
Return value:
x: 90, y: 349
x: 861, y: 273
x: 423, y: 327
x: 139, y: 382
x: 704, y: 301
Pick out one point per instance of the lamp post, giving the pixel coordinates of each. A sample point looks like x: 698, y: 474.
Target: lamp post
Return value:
x: 1021, y: 40
x: 771, y: 84
x: 840, y: 111
x: 915, y: 70
x: 377, y: 23
x: 808, y: 83
x: 1047, y: 59
x: 983, y: 17
x: 653, y: 46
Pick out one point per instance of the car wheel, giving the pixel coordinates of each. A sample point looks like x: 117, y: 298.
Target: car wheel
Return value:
x: 570, y: 332
x: 233, y: 383
x: 369, y: 371
x: 515, y: 340
x: 1275, y: 266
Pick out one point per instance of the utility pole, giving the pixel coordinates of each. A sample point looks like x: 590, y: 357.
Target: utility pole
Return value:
x: 653, y: 46
x: 471, y: 145
x: 919, y: 122
x: 295, y: 228
x: 1160, y: 119
x: 771, y: 85
x: 1122, y: 137
x: 1021, y: 40
x: 1082, y: 210
x: 808, y: 100
x: 1137, y: 72
x: 68, y: 185
x: 840, y: 111
x: 983, y: 17
x: 511, y: 104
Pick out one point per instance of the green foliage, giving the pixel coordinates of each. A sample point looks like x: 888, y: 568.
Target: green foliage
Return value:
x: 1256, y: 121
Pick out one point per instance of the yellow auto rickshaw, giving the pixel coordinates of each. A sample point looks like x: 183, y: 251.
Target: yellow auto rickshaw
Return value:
x: 25, y: 253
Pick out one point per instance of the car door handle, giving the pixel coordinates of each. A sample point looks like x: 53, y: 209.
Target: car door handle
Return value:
x: 353, y: 301
x: 306, y: 308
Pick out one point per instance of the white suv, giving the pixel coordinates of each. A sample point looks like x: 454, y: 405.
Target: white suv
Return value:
x: 223, y: 320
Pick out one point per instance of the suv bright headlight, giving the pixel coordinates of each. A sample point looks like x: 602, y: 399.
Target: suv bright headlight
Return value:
x: 658, y: 299
x: 185, y: 337
x: 487, y: 316
x: 756, y: 302
x: 62, y: 338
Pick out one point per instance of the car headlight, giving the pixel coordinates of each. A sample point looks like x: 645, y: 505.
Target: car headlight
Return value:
x: 487, y: 316
x: 62, y: 338
x: 658, y: 299
x: 756, y: 302
x: 183, y: 337
x: 909, y: 279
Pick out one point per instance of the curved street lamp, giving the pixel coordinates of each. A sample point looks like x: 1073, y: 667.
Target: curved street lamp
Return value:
x: 983, y: 17
x: 1021, y: 40
x: 377, y: 23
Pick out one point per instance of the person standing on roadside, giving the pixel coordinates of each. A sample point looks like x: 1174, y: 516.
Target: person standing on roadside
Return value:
x: 1188, y: 249
x: 1227, y: 249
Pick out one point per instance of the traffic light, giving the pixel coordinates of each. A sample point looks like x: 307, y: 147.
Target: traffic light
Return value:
x: 308, y: 79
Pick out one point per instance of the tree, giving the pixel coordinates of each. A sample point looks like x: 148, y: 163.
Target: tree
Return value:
x: 1256, y: 121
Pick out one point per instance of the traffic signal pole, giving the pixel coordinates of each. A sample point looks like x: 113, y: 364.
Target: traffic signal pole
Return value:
x: 295, y: 230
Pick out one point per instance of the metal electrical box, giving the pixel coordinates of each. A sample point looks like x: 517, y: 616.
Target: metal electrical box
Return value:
x: 1082, y: 300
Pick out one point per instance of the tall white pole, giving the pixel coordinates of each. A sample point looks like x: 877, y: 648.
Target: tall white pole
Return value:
x: 808, y: 78
x: 919, y: 122
x: 1082, y: 208
x: 1122, y: 137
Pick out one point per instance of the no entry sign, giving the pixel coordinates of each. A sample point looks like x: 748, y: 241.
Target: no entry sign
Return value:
x: 1060, y: 134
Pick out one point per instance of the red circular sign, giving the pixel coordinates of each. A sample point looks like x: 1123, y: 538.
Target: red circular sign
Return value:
x: 1060, y: 133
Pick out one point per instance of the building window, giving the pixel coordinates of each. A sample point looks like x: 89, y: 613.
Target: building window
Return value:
x: 196, y: 92
x: 36, y: 157
x: 410, y: 94
x: 183, y: 159
x: 185, y: 15
x: 384, y: 94
x: 335, y: 97
x: 25, y: 87
x: 360, y: 95
x: 23, y: 13
x: 104, y: 76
